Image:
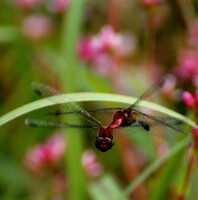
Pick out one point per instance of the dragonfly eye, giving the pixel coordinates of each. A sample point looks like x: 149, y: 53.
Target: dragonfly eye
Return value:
x: 108, y: 140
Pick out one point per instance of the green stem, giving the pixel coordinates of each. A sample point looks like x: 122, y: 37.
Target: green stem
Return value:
x: 68, y: 73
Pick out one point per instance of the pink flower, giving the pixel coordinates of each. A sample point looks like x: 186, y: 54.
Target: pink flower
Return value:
x: 187, y: 65
x: 195, y: 133
x: 45, y: 155
x: 188, y: 99
x: 106, y: 50
x: 27, y: 4
x: 91, y: 164
x: 36, y: 27
x: 89, y: 48
x: 110, y: 40
x: 192, y: 102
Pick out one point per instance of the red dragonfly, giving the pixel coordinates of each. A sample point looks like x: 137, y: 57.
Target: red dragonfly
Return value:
x: 123, y: 117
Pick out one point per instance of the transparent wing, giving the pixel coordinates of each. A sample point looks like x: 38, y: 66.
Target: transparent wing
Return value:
x: 169, y: 122
x: 70, y: 106
x: 154, y: 88
x: 157, y: 129
x: 56, y: 124
x: 100, y: 110
x: 167, y: 128
x: 104, y: 115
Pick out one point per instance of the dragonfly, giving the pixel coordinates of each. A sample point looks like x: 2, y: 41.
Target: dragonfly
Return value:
x: 123, y: 117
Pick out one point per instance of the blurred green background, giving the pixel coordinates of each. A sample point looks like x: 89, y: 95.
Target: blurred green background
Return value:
x: 115, y: 46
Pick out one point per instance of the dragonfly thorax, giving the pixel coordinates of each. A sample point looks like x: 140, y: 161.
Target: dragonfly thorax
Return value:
x: 123, y: 117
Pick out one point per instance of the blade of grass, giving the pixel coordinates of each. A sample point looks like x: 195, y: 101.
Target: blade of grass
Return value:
x: 78, y: 97
x: 72, y: 23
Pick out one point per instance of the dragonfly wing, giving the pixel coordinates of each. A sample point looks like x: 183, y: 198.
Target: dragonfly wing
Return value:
x: 94, y: 111
x: 154, y: 88
x: 168, y: 128
x: 172, y: 123
x: 55, y: 124
x: 70, y: 106
x: 163, y: 132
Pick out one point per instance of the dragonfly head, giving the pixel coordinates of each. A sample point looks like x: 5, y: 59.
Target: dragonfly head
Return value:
x: 103, y: 143
x: 104, y: 140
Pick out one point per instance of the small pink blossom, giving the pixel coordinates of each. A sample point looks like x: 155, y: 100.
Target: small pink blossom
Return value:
x: 37, y: 27
x: 188, y: 99
x: 106, y: 50
x: 27, y: 4
x: 192, y: 102
x: 45, y: 155
x: 187, y: 65
x: 89, y: 48
x: 110, y: 40
x: 195, y: 133
x: 91, y: 164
